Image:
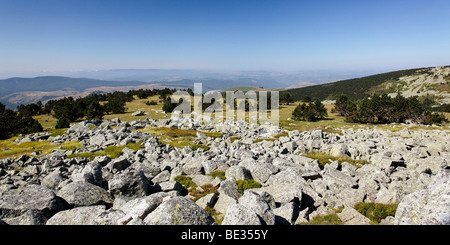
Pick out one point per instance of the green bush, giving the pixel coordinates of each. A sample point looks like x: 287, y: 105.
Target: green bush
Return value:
x: 12, y: 123
x: 310, y: 112
x: 185, y: 181
x: 376, y: 211
x: 218, y: 173
x: 62, y: 122
x: 381, y: 108
x: 151, y: 103
x: 247, y: 184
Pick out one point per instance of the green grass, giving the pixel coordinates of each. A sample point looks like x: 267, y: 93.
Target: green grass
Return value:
x: 376, y: 211
x: 57, y: 132
x: 140, y: 105
x: 324, y: 158
x: 247, y: 184
x: 206, y: 189
x: 185, y: 181
x: 177, y: 137
x: 71, y: 145
x: 215, y: 215
x: 272, y: 139
x: 332, y: 124
x: 218, y: 173
x: 9, y: 149
x: 111, y: 151
x: 213, y: 134
x: 233, y: 138
x: 330, y: 219
x: 47, y: 121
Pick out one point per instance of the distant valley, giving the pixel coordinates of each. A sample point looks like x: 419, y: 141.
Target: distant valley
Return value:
x: 18, y: 90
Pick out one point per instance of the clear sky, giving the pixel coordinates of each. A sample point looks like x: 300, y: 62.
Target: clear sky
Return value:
x: 64, y: 35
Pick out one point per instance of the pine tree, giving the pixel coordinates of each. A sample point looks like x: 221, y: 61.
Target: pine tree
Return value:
x: 94, y: 111
x: 340, y: 105
x: 310, y: 112
x: 62, y: 123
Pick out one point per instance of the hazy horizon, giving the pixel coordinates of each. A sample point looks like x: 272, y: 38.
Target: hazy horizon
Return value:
x: 280, y: 79
x: 48, y: 36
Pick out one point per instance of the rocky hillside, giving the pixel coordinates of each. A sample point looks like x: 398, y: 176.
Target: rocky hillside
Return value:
x: 160, y: 184
x: 426, y: 82
x: 434, y: 81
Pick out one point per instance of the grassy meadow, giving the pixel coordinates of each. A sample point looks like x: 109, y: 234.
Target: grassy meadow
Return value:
x: 181, y: 138
x: 333, y: 123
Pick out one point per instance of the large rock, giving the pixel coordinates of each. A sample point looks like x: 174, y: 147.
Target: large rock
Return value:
x: 224, y: 202
x: 288, y: 176
x: 90, y: 215
x: 207, y: 201
x: 30, y: 217
x: 341, y: 179
x: 81, y: 193
x: 339, y: 150
x: 238, y: 173
x: 286, y: 214
x: 15, y: 202
x: 141, y: 207
x: 179, y: 211
x: 118, y: 164
x: 256, y: 203
x: 349, y: 216
x: 98, y: 139
x: 91, y: 173
x: 193, y: 167
x: 283, y: 193
x: 53, y: 179
x: 238, y: 214
x: 429, y: 206
x: 230, y: 188
x: 260, y: 171
x: 130, y: 184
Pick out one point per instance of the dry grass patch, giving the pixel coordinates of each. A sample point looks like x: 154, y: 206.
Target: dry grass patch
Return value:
x: 325, y: 158
x: 9, y: 149
x: 154, y: 111
x: 176, y: 137
x: 111, y: 151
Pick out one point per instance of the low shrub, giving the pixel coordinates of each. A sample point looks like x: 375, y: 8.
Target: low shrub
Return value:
x: 218, y: 173
x: 330, y: 219
x: 376, y: 211
x: 185, y: 181
x: 324, y: 158
x: 247, y: 184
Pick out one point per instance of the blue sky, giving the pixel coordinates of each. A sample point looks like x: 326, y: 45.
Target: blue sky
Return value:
x: 279, y: 35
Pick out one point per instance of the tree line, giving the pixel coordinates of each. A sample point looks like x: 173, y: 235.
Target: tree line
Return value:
x: 69, y: 109
x: 13, y: 122
x: 310, y: 111
x: 377, y: 109
x: 381, y: 108
x: 239, y: 104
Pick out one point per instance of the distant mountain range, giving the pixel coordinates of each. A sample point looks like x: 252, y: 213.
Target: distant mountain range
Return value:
x: 19, y: 90
x: 16, y: 91
x: 435, y: 81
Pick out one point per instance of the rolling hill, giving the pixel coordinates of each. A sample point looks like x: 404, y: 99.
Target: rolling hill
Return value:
x: 16, y: 91
x: 432, y: 81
